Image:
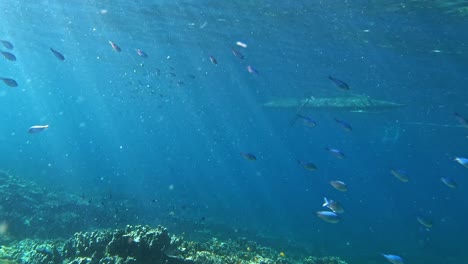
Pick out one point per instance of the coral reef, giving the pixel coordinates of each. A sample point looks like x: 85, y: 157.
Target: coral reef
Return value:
x: 28, y: 210
x: 142, y: 244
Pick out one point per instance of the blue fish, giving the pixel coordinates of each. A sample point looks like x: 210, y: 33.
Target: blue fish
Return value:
x: 8, y: 55
x: 394, y: 259
x: 57, y: 54
x: 7, y: 44
x: 248, y: 156
x: 462, y: 161
x: 141, y: 53
x: 307, y: 165
x: 9, y: 82
x: 237, y: 54
x: 344, y: 124
x: 252, y: 70
x: 339, y: 83
x: 337, y: 153
x: 449, y: 182
x: 328, y: 216
x: 213, y: 60
x: 307, y: 120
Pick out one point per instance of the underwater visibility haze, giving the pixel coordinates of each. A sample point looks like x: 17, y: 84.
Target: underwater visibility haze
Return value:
x: 315, y: 128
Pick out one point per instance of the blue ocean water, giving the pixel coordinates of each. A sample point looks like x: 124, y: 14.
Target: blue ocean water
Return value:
x: 166, y: 132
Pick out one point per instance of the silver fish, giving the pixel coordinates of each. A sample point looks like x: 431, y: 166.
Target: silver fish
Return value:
x: 37, y: 129
x: 333, y: 205
x: 328, y: 216
x: 339, y: 185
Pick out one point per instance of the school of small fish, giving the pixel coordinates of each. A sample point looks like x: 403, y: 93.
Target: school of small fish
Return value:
x: 334, y: 207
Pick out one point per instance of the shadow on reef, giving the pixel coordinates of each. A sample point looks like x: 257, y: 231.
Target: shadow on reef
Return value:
x: 28, y: 210
x: 145, y: 245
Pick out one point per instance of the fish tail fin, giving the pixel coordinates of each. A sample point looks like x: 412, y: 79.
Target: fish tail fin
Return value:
x: 326, y: 202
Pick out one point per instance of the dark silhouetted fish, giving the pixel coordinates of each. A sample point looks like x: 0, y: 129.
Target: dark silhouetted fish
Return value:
x: 141, y: 53
x: 213, y: 60
x: 339, y: 83
x: 7, y: 44
x: 307, y: 165
x: 8, y: 55
x: 9, y: 82
x: 114, y: 46
x: 57, y: 54
x: 345, y: 125
x: 307, y: 120
x: 237, y: 54
x: 248, y: 156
